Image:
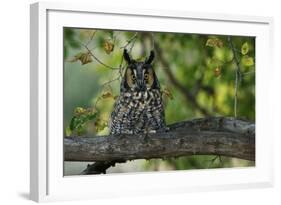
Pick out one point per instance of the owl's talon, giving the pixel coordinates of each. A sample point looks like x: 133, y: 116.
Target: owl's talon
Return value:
x: 164, y: 129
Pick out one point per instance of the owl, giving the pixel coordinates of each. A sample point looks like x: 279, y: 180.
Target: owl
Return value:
x: 139, y: 107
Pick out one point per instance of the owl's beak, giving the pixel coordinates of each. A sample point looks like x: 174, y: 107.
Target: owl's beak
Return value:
x: 141, y: 85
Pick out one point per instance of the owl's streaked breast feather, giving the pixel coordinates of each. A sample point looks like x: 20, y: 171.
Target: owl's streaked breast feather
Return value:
x: 136, y: 112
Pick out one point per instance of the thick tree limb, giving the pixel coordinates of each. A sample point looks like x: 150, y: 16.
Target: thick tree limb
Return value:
x: 207, y: 136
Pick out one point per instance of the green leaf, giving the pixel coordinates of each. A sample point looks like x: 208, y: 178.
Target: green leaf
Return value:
x: 80, y: 130
x: 73, y: 123
x: 214, y: 42
x: 80, y: 120
x: 79, y: 110
x: 247, y: 61
x: 100, y: 125
x: 92, y: 116
x: 245, y: 48
x: 68, y: 131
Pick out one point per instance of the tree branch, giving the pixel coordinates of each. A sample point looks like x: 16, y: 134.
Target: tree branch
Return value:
x: 206, y: 136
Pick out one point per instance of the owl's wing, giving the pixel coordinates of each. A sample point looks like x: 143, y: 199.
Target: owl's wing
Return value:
x: 119, y: 117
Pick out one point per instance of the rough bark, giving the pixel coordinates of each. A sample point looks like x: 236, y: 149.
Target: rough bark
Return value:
x: 206, y: 136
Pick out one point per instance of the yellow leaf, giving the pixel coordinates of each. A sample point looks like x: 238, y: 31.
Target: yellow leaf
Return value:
x: 86, y: 58
x: 83, y: 57
x: 108, y: 47
x: 107, y: 94
x: 68, y: 131
x: 100, y: 124
x: 217, y: 71
x: 166, y: 92
x: 247, y: 61
x: 245, y: 48
x: 79, y: 110
x: 214, y: 42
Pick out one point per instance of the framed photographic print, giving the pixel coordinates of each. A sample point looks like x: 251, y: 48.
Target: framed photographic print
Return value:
x: 121, y: 98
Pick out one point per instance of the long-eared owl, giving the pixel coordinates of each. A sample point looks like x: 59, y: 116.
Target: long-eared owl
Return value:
x: 139, y: 107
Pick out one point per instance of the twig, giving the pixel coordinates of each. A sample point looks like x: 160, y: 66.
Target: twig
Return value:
x: 237, y: 74
x: 129, y: 41
x: 103, y: 88
x: 132, y: 45
x: 121, y: 67
x: 152, y: 41
x: 90, y: 52
x: 91, y: 38
x: 110, y: 81
x: 214, y: 159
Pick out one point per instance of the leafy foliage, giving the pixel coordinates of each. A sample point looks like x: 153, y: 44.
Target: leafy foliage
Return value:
x: 81, y: 117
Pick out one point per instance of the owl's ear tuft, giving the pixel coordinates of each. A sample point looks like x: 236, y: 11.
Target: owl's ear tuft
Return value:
x: 126, y: 56
x: 150, y: 58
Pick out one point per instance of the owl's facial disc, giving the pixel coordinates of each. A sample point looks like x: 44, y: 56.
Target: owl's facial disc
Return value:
x: 140, y: 77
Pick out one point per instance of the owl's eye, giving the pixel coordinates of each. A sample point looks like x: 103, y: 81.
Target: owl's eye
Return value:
x: 133, y: 78
x: 149, y: 79
x: 146, y: 76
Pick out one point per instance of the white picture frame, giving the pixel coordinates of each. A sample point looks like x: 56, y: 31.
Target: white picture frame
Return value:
x: 47, y: 182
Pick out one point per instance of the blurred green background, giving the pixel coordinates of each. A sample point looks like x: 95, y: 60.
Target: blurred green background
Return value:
x: 197, y: 74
